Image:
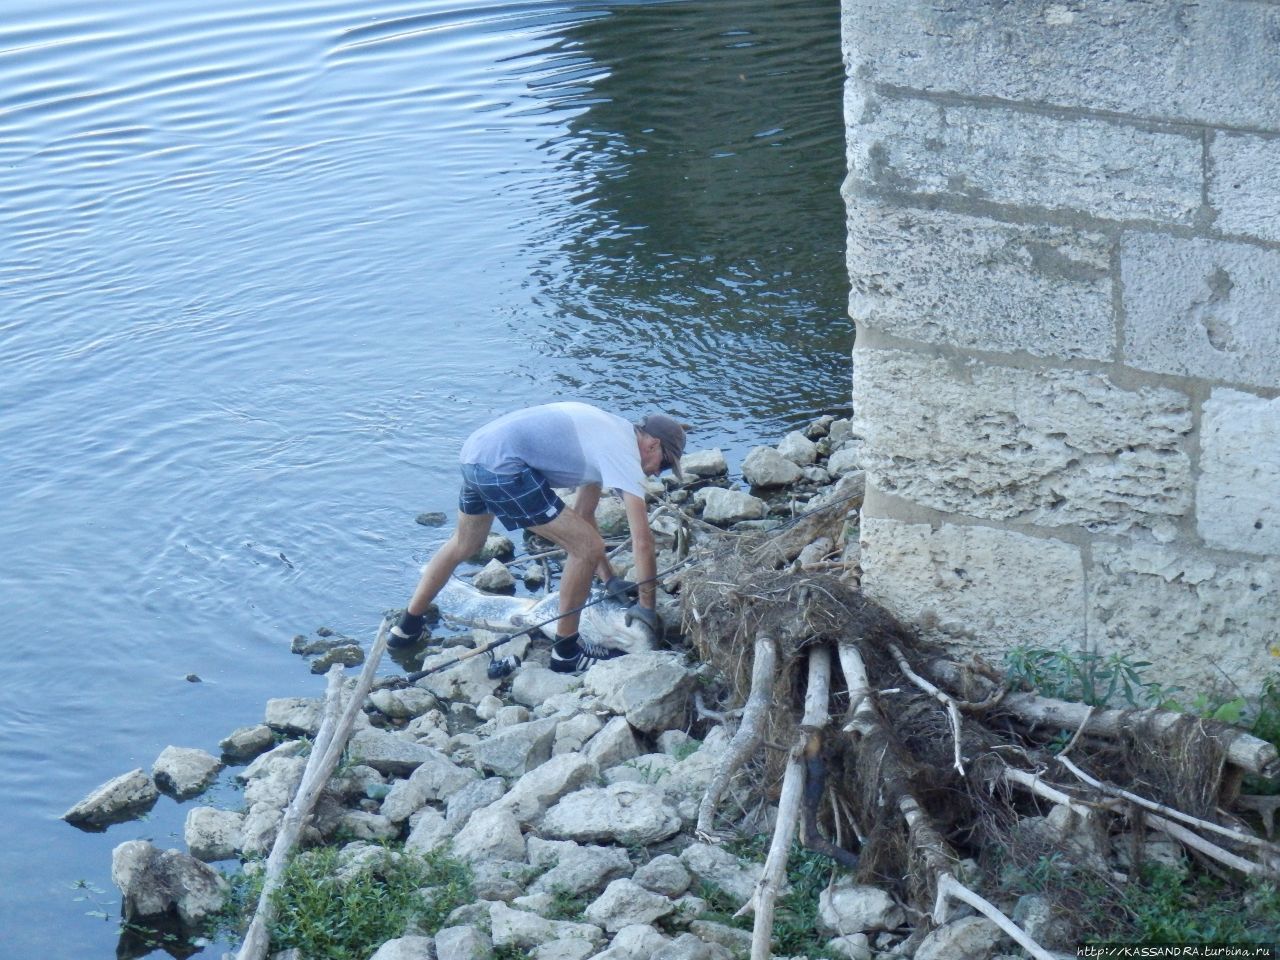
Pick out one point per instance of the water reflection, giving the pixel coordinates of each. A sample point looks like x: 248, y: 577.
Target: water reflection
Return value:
x: 705, y: 244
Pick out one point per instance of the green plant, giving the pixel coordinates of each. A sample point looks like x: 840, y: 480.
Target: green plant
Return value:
x: 566, y: 905
x: 329, y: 915
x: 649, y: 772
x: 1083, y: 676
x: 686, y: 750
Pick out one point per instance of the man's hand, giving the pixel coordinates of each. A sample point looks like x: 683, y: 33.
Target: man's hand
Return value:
x: 645, y: 615
x: 618, y: 589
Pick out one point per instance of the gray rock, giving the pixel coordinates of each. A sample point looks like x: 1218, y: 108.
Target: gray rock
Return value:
x: 854, y: 946
x: 498, y: 879
x: 274, y: 782
x: 119, y: 798
x: 490, y: 834
x: 816, y: 551
x: 465, y: 942
x: 433, y: 518
x: 435, y: 778
x: 387, y: 752
x: 406, y: 948
x: 970, y: 938
x: 575, y: 870
x: 664, y: 874
x: 535, y: 684
x: 362, y: 825
x: 213, y: 834
x: 516, y: 928
x: 345, y: 655
x: 624, y: 903
x: 571, y: 949
x: 290, y: 748
x: 534, y: 793
x: 494, y: 577
x: 245, y: 743
x: 487, y: 707
x: 637, y: 942
x: 496, y: 546
x: 798, y: 448
x: 704, y: 463
x: 469, y: 680
x: 511, y: 715
x: 688, y: 947
x: 721, y: 869
x: 515, y: 750
x: 154, y: 882
x: 652, y: 690
x: 572, y: 734
x: 765, y: 467
x: 739, y: 941
x: 817, y: 475
x: 261, y: 824
x: 845, y: 460
x: 729, y: 506
x: 614, y: 744
x: 625, y: 813
x: 611, y: 517
x: 475, y: 795
x: 404, y: 704
x: 295, y: 716
x: 430, y: 831
x: 847, y: 907
x: 184, y: 771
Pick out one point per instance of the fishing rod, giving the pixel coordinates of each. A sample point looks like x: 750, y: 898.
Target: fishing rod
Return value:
x: 488, y: 648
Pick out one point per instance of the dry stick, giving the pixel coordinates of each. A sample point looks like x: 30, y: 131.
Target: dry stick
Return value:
x: 925, y: 837
x: 953, y: 711
x: 750, y: 732
x: 314, y: 778
x: 1243, y: 749
x: 1160, y: 808
x: 1033, y: 783
x: 774, y: 875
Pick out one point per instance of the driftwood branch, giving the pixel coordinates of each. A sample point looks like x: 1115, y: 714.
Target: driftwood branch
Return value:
x: 1242, y: 749
x: 750, y: 732
x: 773, y: 876
x: 319, y: 767
x: 949, y: 888
x: 948, y: 702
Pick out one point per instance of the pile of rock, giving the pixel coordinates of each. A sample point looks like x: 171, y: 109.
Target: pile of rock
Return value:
x: 548, y: 786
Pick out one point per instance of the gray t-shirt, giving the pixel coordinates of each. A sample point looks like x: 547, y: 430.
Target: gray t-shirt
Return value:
x: 568, y: 443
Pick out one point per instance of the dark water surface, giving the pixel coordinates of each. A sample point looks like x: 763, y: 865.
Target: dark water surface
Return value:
x: 263, y: 265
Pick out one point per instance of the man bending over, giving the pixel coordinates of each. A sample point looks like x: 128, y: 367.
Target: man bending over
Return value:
x: 509, y: 468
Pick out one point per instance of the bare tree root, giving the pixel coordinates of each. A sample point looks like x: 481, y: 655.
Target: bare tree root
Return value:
x: 748, y: 737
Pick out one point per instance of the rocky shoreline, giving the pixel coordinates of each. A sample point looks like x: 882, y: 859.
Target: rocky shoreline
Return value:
x: 545, y: 786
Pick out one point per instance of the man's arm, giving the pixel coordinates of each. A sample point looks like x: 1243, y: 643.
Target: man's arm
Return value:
x: 641, y: 546
x: 584, y: 504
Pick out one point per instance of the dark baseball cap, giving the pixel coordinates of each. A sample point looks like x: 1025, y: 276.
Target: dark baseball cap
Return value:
x: 670, y: 433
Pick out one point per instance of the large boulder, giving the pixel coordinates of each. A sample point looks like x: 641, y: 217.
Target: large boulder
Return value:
x: 406, y: 948
x: 624, y: 903
x: 664, y: 874
x: 185, y: 771
x: 387, y: 752
x: 704, y: 463
x: 729, y: 506
x: 624, y: 813
x: 573, y: 869
x: 652, y: 690
x: 490, y: 834
x: 463, y: 942
x: 765, y: 467
x: 516, y: 928
x: 295, y: 716
x: 846, y: 907
x: 494, y: 577
x: 157, y: 882
x: 534, y: 793
x: 514, y: 751
x: 120, y: 798
x: 798, y: 448
x: 404, y: 704
x: 474, y: 796
x: 435, y: 778
x: 245, y: 743
x: 970, y: 938
x: 212, y: 834
x: 614, y: 744
x: 719, y: 868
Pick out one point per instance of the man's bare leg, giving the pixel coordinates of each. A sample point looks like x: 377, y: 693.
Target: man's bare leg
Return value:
x: 586, y: 552
x: 467, y: 539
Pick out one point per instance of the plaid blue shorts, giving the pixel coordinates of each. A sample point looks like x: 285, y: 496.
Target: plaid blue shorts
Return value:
x: 519, y: 500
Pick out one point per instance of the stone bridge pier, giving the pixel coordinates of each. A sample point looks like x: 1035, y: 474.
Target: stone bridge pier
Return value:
x: 1064, y: 247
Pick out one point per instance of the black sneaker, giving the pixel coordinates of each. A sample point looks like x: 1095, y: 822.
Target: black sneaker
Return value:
x: 401, y: 636
x: 502, y: 668
x: 588, y: 655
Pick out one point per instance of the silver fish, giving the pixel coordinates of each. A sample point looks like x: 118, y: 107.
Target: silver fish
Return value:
x: 604, y: 622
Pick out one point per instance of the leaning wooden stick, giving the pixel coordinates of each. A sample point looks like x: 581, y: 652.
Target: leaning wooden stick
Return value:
x: 773, y: 876
x: 750, y: 732
x: 948, y: 703
x: 314, y: 778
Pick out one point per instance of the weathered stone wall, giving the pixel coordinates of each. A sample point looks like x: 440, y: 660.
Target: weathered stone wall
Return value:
x: 1064, y: 246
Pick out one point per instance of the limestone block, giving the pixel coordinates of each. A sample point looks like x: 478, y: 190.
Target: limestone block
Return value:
x: 574, y: 869
x: 212, y: 834
x: 1238, y: 495
x: 463, y: 942
x: 184, y: 771
x: 295, y: 716
x: 798, y: 448
x: 704, y: 463
x: 406, y: 948
x: 1027, y: 158
x: 969, y: 938
x: 1244, y: 184
x: 989, y: 589
x: 664, y: 874
x: 653, y: 690
x: 531, y: 795
x: 847, y: 907
x: 490, y: 834
x: 515, y: 928
x: 1201, y: 308
x: 1051, y: 447
x: 156, y: 882
x: 624, y: 813
x: 245, y: 743
x: 971, y: 282
x: 119, y: 798
x: 389, y: 753
x: 625, y: 903
x: 513, y: 751
x: 721, y: 869
x: 1212, y: 63
x: 729, y: 506
x: 1201, y: 620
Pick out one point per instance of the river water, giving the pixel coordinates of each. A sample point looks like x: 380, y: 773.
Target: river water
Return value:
x: 264, y: 264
